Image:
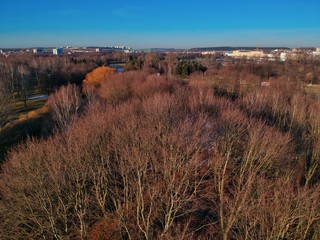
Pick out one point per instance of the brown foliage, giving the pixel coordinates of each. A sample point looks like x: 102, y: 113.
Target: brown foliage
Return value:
x: 155, y: 159
x: 105, y: 229
x: 98, y: 75
x: 122, y: 87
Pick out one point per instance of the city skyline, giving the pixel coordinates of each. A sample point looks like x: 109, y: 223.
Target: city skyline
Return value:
x: 143, y: 24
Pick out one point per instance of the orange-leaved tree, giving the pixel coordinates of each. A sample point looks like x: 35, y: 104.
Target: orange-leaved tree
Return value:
x: 98, y: 75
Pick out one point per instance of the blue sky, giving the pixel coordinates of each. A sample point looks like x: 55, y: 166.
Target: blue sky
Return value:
x: 165, y: 23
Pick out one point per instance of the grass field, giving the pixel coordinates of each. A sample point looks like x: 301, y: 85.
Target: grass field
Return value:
x: 313, y: 90
x: 32, y: 105
x: 25, y: 122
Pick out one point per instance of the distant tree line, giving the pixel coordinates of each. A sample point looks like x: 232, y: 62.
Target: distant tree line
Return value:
x: 185, y: 68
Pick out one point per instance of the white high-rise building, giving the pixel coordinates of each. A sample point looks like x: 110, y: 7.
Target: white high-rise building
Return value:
x: 283, y: 56
x: 37, y: 50
x: 57, y: 51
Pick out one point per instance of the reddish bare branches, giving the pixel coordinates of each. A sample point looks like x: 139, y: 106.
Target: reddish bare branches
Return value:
x: 64, y: 105
x: 151, y: 158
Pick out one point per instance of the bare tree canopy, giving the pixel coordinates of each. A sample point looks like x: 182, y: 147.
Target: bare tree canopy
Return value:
x: 145, y: 155
x: 64, y: 104
x: 6, y: 103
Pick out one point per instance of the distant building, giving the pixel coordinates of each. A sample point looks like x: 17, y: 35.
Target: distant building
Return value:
x: 57, y: 51
x: 1, y: 52
x: 317, y: 53
x: 229, y: 54
x: 318, y: 50
x: 248, y: 54
x: 208, y: 53
x: 120, y: 47
x: 128, y: 51
x: 270, y: 57
x: 283, y: 56
x: 37, y: 50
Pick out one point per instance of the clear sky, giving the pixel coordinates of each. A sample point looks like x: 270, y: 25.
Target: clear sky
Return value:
x: 159, y: 23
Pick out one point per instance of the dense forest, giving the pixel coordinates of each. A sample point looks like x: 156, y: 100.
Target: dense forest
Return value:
x: 173, y: 148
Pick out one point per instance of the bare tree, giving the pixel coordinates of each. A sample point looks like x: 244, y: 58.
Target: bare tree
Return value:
x: 171, y: 60
x: 245, y: 151
x: 64, y: 104
x: 6, y: 104
x: 9, y: 77
x: 167, y: 162
x: 24, y: 73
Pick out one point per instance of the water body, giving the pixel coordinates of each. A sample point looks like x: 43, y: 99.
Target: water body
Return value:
x: 117, y: 66
x: 38, y: 97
